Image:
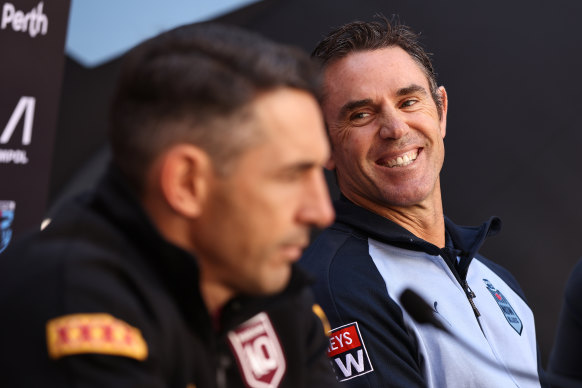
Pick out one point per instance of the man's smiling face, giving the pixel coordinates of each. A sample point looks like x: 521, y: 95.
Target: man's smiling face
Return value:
x: 385, y: 129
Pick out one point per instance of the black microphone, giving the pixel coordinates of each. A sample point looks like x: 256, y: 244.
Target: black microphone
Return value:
x: 420, y: 310
x: 422, y: 313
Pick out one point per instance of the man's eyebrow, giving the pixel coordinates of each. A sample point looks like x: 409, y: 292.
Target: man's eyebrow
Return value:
x: 298, y: 167
x: 351, y: 105
x: 413, y: 88
x: 302, y: 165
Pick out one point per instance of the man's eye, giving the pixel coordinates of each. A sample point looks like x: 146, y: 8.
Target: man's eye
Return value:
x: 359, y: 116
x: 292, y: 174
x: 408, y: 103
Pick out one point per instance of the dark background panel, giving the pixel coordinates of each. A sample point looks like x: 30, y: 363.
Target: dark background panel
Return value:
x: 512, y: 72
x: 31, y: 66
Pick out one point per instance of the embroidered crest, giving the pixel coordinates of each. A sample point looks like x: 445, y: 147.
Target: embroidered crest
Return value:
x: 348, y: 353
x: 94, y: 333
x: 505, y: 307
x: 258, y: 352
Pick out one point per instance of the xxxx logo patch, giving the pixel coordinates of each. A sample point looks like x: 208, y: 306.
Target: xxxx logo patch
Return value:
x: 258, y: 352
x: 505, y: 307
x: 94, y: 333
x: 347, y: 352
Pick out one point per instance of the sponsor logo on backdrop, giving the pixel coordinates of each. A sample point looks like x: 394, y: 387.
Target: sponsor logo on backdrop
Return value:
x: 6, y: 218
x: 33, y: 22
x: 24, y: 111
x: 348, y: 353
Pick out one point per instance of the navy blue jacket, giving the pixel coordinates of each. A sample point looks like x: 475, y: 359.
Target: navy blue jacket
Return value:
x: 364, y: 262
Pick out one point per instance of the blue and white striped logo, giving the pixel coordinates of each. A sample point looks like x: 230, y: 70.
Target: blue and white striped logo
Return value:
x: 505, y: 307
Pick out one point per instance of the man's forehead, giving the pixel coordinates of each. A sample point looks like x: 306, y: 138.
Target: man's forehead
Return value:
x: 351, y: 77
x: 373, y: 57
x: 290, y: 125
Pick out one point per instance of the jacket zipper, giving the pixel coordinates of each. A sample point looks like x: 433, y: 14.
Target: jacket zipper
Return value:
x: 223, y: 364
x: 471, y: 295
x: 463, y: 282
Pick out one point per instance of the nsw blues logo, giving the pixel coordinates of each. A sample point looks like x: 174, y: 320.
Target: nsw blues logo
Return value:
x: 6, y: 218
x: 505, y: 307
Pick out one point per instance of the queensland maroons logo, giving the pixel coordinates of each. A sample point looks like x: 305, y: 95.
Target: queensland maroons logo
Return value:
x: 258, y: 352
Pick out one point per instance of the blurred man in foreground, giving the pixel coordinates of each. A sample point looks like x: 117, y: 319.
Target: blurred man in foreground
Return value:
x: 178, y: 271
x: 386, y: 119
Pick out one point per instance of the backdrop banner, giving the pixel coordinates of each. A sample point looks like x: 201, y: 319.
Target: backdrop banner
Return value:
x: 32, y: 41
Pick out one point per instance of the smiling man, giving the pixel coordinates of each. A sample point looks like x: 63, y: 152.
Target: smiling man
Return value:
x: 386, y: 119
x: 179, y: 270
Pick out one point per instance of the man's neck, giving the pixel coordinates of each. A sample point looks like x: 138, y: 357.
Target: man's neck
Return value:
x: 429, y: 226
x: 425, y: 220
x: 214, y: 295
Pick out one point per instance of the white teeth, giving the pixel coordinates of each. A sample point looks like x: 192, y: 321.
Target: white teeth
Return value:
x: 403, y: 160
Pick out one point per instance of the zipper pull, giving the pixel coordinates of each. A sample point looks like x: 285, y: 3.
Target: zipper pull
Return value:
x: 223, y: 365
x: 470, y: 296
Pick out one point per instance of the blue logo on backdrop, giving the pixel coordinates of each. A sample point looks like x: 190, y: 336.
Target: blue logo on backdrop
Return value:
x: 505, y: 307
x: 6, y: 218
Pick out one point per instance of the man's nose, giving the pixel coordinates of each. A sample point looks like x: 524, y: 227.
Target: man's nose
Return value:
x: 317, y: 209
x: 392, y: 126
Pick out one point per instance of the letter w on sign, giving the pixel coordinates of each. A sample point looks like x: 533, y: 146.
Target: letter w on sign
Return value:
x: 258, y: 352
x: 347, y: 352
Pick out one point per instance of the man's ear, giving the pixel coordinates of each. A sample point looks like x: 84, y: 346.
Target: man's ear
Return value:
x: 444, y: 108
x: 184, y: 179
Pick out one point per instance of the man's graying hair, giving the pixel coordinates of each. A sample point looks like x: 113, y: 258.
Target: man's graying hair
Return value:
x: 367, y: 36
x: 194, y: 84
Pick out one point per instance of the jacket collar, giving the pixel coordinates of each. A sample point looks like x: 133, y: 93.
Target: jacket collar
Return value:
x: 176, y: 267
x: 466, y: 239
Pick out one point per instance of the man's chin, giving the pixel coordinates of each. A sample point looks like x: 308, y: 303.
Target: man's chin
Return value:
x: 275, y: 283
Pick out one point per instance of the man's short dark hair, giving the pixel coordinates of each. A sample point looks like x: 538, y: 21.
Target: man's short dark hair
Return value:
x: 360, y: 36
x: 194, y: 84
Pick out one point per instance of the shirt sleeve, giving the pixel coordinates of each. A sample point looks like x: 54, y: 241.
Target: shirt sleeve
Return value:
x: 79, y: 327
x: 354, y: 297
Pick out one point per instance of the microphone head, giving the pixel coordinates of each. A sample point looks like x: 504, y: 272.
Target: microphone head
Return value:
x: 419, y: 309
x: 422, y: 313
